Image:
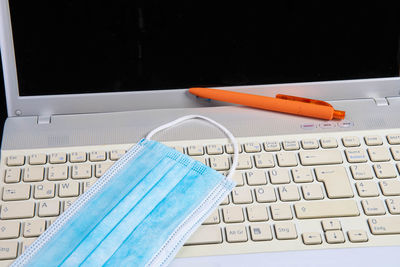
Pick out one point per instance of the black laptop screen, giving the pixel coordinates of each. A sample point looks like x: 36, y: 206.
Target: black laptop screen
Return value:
x: 78, y: 46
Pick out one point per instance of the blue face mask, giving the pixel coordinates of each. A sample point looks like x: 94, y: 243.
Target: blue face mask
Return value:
x: 139, y: 213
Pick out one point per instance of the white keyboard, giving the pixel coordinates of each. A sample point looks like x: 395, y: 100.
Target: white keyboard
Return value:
x: 312, y: 191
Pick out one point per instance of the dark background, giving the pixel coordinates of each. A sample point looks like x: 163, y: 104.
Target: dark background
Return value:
x: 141, y: 45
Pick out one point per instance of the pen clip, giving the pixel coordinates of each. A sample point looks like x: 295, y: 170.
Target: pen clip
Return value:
x: 302, y: 99
x: 337, y: 114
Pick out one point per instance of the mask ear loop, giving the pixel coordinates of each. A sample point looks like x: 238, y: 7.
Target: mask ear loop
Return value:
x: 222, y: 128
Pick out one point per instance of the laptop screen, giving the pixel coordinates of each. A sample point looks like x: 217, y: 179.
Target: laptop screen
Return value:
x: 75, y: 46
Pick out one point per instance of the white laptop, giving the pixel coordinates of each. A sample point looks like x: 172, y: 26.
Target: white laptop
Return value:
x: 67, y: 125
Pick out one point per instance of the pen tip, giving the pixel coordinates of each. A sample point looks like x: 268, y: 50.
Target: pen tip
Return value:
x: 339, y: 114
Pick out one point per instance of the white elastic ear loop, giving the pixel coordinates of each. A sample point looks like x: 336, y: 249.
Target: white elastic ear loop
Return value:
x: 222, y: 128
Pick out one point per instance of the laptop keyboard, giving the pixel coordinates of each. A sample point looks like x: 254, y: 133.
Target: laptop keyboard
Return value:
x: 313, y: 191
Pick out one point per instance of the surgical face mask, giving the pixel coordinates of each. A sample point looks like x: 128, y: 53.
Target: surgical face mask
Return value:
x: 139, y: 213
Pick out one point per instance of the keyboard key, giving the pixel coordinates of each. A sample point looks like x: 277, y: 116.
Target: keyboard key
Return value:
x: 57, y: 172
x: 285, y: 230
x: 12, y: 175
x: 334, y: 237
x: 311, y: 238
x: 81, y: 171
x: 385, y: 170
x: 326, y: 209
x: 26, y: 243
x: 16, y: 192
x: 34, y: 174
x: 229, y: 148
x: 58, y: 158
x: 350, y: 141
x: 279, y: 176
x: 68, y: 202
x: 244, y: 162
x: 367, y: 189
x: 373, y: 140
x: 291, y: 145
x: 335, y: 180
x: 272, y: 146
x: 78, y: 157
x: 390, y: 187
x: 357, y: 236
x: 264, y: 160
x: 256, y: 177
x: 302, y: 175
x: 379, y: 154
x: 101, y: 168
x: 38, y: 159
x: 393, y: 205
x: 393, y: 139
x: 265, y: 194
x: 395, y: 152
x: 97, y: 156
x: 312, y: 191
x: 214, y: 149
x: 252, y: 147
x: 17, y: 160
x: 241, y: 195
x: 286, y: 159
x: 34, y: 228
x: 49, y: 208
x: 320, y: 157
x: 257, y: 213
x: 384, y: 225
x: 356, y: 155
x: 213, y: 218
x: 331, y: 224
x: 195, y: 150
x: 260, y: 232
x: 238, y: 178
x: 205, y: 234
x: 9, y: 229
x: 328, y: 142
x: 68, y: 189
x: 45, y: 190
x: 236, y: 233
x: 219, y: 163
x: 17, y: 210
x: 117, y: 154
x: 87, y: 184
x: 281, y: 211
x: 289, y: 193
x: 8, y: 249
x: 309, y: 144
x: 233, y: 214
x: 373, y: 207
x: 361, y: 171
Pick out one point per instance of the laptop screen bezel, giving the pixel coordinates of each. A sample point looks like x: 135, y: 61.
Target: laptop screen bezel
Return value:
x: 47, y: 105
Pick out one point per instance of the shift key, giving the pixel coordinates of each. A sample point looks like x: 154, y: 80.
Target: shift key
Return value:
x: 17, y: 210
x: 205, y: 234
x: 326, y: 209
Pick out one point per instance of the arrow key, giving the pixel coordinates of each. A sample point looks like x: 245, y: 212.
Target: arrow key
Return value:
x: 357, y: 236
x: 311, y: 238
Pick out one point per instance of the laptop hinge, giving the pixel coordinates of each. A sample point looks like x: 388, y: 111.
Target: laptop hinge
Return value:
x: 381, y: 101
x: 44, y: 120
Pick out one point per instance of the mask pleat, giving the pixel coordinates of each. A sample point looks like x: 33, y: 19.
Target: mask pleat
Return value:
x: 162, y: 221
x: 65, y: 241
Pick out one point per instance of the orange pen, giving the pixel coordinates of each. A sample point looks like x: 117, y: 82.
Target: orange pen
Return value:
x: 281, y: 103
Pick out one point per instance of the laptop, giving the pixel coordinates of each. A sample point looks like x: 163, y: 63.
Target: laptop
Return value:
x: 77, y: 100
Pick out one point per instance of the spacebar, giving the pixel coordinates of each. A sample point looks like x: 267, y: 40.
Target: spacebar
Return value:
x: 326, y: 209
x: 205, y: 234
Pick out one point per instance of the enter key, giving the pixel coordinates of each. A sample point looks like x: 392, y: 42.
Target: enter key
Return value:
x: 336, y: 181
